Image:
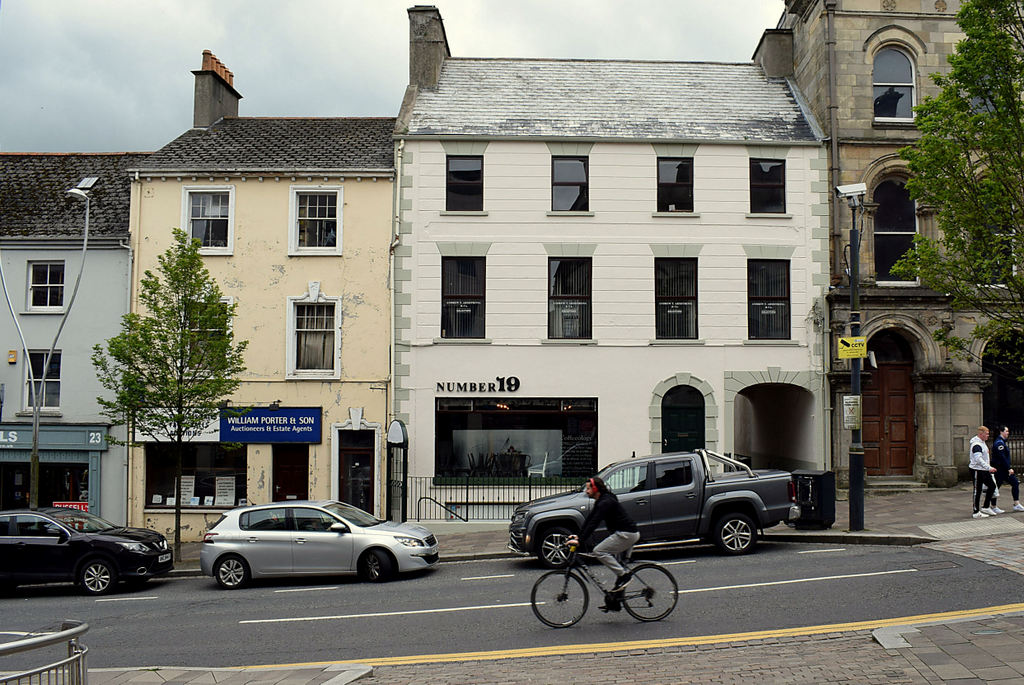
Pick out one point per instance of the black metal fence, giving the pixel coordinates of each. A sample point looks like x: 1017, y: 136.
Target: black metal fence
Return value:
x: 469, y: 498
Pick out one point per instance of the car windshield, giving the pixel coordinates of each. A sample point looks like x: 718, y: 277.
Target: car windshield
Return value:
x: 83, y: 521
x: 352, y: 514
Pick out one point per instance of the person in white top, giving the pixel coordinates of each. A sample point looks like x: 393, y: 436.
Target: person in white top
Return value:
x: 982, y: 472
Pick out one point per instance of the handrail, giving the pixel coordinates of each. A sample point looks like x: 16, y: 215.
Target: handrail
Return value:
x: 445, y: 507
x: 68, y: 630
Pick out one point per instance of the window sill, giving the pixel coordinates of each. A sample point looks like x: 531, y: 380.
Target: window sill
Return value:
x: 208, y: 252
x: 671, y: 342
x: 894, y: 123
x: 897, y: 284
x: 555, y: 213
x: 568, y: 341
x: 328, y: 376
x: 47, y: 413
x: 676, y: 215
x: 43, y: 312
x: 463, y: 213
x: 786, y: 343
x: 462, y: 341
x: 769, y: 215
x: 326, y: 252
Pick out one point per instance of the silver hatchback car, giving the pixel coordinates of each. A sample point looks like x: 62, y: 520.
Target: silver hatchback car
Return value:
x: 311, y: 539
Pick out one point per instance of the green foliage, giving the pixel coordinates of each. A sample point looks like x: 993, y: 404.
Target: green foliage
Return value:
x: 175, y: 360
x: 969, y: 168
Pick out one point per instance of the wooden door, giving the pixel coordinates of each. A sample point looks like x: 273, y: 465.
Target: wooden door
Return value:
x: 291, y: 472
x: 888, y: 420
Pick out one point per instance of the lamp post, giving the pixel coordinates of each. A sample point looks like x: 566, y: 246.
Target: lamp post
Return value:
x: 81, y: 191
x: 854, y: 194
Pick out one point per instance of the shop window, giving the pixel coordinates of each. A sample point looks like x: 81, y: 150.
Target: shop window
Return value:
x: 465, y: 184
x: 569, y: 292
x: 768, y: 299
x: 895, y: 226
x: 570, y: 184
x: 47, y: 386
x: 893, y: 89
x: 45, y: 286
x: 675, y: 298
x: 516, y: 438
x: 675, y: 184
x: 212, y: 475
x: 463, y: 282
x: 767, y: 186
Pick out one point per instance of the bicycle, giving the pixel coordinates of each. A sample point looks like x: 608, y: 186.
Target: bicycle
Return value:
x: 560, y: 598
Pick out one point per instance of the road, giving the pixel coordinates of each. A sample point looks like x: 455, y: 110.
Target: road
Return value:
x: 483, y: 605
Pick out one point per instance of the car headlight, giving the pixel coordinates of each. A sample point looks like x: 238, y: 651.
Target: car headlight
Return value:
x: 134, y: 546
x: 410, y: 542
x: 518, y: 516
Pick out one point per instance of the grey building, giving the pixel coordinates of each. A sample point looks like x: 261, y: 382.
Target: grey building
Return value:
x: 863, y: 65
x: 41, y: 229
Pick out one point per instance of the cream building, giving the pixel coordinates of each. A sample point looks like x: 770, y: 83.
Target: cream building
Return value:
x: 294, y: 218
x: 601, y: 259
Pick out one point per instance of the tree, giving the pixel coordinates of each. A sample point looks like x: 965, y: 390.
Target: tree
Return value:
x: 175, y: 361
x: 969, y: 166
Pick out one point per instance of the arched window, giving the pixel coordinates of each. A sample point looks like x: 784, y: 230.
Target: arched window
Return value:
x: 893, y: 85
x: 895, y: 226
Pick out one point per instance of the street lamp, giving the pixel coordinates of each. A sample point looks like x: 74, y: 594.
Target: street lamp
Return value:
x: 81, y: 192
x: 854, y: 194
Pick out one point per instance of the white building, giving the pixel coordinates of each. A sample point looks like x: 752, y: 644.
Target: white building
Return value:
x: 604, y: 258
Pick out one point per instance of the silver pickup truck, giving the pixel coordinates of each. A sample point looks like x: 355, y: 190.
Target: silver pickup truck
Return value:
x: 672, y: 497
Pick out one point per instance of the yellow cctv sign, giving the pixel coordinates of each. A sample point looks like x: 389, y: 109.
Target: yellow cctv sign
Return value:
x: 853, y: 348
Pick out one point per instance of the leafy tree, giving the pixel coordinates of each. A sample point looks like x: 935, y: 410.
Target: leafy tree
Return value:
x: 175, y: 360
x: 969, y: 166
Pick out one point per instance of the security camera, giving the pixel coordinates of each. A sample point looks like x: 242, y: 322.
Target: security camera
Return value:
x: 852, y: 190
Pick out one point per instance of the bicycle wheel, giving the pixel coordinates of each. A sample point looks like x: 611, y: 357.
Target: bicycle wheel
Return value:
x: 652, y: 594
x: 559, y: 598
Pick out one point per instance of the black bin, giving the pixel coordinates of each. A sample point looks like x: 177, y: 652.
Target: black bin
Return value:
x: 816, y: 495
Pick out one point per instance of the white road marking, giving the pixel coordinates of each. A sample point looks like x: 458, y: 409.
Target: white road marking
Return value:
x: 672, y: 563
x: 386, y: 613
x: 504, y: 575
x: 125, y: 599
x: 309, y: 589
x: 799, y: 580
x: 822, y: 551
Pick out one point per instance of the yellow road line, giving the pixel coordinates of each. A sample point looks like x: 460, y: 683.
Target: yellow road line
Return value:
x: 559, y: 650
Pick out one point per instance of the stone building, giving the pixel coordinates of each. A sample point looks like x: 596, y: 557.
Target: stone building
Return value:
x: 863, y: 65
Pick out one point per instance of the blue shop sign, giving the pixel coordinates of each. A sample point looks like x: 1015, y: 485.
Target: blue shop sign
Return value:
x: 265, y: 424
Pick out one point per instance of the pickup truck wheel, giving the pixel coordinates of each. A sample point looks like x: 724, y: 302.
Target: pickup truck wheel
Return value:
x: 550, y: 548
x: 735, y: 533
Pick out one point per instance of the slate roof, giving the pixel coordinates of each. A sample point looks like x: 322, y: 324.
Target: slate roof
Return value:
x: 281, y: 144
x: 33, y: 201
x: 691, y: 101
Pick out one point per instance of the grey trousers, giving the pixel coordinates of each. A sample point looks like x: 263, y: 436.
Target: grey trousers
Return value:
x: 615, y: 543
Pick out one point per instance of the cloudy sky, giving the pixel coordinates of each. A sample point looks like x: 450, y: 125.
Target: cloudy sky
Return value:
x: 114, y: 75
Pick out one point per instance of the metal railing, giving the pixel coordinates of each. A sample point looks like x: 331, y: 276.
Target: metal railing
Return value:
x: 70, y: 670
x: 476, y: 498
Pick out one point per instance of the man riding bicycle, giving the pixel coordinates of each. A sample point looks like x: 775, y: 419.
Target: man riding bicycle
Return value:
x: 624, y: 533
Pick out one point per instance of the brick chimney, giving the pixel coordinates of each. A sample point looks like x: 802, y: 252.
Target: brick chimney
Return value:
x: 428, y: 46
x: 215, y: 95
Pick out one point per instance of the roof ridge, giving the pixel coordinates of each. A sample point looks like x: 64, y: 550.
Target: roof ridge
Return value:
x: 615, y: 60
x: 71, y: 154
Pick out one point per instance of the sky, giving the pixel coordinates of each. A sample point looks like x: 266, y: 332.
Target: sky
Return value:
x: 115, y: 75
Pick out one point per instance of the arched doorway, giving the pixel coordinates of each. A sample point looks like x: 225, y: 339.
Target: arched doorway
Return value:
x: 888, y: 407
x: 682, y: 419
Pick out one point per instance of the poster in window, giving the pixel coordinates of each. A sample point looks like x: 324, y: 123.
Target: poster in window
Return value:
x: 188, y: 488
x: 225, y: 491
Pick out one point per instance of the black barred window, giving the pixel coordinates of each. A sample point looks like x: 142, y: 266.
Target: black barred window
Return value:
x: 463, y: 287
x: 768, y: 299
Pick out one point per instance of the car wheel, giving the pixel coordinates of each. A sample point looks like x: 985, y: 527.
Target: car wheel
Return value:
x: 735, y: 533
x: 551, y: 547
x: 376, y: 566
x: 97, y: 576
x: 231, y: 572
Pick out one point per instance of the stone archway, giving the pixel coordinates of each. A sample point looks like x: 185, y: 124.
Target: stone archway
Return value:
x: 710, y: 409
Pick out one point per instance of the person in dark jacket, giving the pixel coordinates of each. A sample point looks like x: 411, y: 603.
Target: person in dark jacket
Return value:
x: 624, y: 533
x: 1004, y: 472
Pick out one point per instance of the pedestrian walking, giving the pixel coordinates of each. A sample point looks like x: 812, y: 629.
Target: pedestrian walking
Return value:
x: 982, y: 471
x: 1004, y: 471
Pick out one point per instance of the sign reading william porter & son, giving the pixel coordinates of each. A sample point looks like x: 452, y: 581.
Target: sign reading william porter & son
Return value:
x: 499, y: 384
x: 264, y: 424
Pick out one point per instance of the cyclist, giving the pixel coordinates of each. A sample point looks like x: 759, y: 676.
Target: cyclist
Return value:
x: 624, y: 533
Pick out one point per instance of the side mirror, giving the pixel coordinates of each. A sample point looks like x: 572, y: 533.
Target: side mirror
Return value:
x: 338, y: 528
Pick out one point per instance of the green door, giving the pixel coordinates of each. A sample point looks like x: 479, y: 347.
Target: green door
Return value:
x: 682, y: 420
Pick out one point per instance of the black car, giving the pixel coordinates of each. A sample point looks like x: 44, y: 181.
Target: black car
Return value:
x: 54, y: 544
